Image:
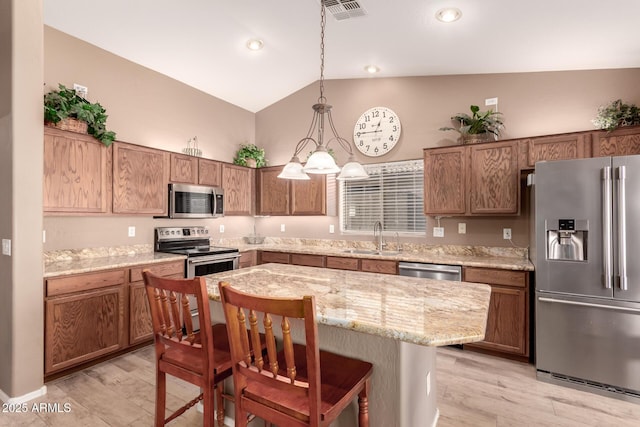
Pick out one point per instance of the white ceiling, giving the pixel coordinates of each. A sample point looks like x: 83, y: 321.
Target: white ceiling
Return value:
x: 202, y: 42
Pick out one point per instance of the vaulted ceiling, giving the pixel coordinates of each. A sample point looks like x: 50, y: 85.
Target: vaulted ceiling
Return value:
x: 203, y: 42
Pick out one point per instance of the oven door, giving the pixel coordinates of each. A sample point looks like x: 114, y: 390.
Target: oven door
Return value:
x: 201, y: 266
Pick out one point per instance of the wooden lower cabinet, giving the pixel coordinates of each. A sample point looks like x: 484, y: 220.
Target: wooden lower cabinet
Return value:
x: 248, y: 259
x: 83, y: 326
x: 343, y: 263
x: 277, y: 257
x: 379, y: 266
x: 507, y: 330
x: 308, y: 260
x: 90, y: 316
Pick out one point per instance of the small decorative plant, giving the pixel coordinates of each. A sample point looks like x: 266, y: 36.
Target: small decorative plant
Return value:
x: 479, y: 123
x: 66, y: 103
x: 616, y: 114
x: 248, y: 152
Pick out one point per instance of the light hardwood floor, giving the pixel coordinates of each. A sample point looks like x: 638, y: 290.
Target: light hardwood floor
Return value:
x: 473, y: 390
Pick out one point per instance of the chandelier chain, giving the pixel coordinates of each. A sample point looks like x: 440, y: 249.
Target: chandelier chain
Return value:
x: 323, y: 21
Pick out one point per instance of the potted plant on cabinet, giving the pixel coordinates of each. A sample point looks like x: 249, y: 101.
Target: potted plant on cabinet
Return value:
x: 480, y: 126
x: 250, y: 155
x: 617, y: 114
x: 65, y: 105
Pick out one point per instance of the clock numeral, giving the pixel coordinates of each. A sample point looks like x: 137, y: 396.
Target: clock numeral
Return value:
x: 391, y: 138
x: 362, y: 126
x: 361, y: 143
x: 395, y: 128
x: 367, y: 118
x: 375, y: 113
x: 376, y: 150
x: 391, y: 119
x: 384, y: 114
x: 368, y: 146
x: 385, y: 146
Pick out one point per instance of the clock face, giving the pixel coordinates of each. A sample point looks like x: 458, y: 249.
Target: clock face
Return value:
x: 377, y: 131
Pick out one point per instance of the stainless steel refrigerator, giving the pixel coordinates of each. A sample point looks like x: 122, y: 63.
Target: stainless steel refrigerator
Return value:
x: 587, y: 245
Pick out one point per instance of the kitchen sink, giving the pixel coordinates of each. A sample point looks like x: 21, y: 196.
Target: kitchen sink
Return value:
x: 370, y: 252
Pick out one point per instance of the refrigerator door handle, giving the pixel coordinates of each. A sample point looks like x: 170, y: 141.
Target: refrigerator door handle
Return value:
x: 588, y: 304
x: 622, y: 227
x: 606, y: 228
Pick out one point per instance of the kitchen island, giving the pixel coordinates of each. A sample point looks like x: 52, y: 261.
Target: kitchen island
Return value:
x: 394, y: 322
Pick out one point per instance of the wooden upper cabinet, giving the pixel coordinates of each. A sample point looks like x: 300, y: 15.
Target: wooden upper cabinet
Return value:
x: 309, y: 197
x: 237, y: 183
x: 621, y: 142
x: 140, y: 179
x: 494, y: 178
x: 559, y: 147
x: 77, y: 173
x: 445, y: 171
x: 272, y: 193
x: 209, y: 172
x: 184, y: 169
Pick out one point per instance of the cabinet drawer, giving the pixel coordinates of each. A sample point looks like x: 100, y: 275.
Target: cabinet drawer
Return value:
x: 495, y: 276
x: 247, y: 259
x: 83, y: 282
x: 279, y: 257
x: 342, y: 263
x: 308, y: 260
x: 379, y: 266
x: 167, y: 269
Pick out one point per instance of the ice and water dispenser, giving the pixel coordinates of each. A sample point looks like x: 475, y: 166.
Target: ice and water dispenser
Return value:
x: 567, y: 239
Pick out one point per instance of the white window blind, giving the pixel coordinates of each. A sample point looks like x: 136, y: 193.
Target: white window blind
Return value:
x: 393, y: 195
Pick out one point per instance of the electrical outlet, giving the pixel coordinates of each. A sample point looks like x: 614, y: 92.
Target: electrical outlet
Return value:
x: 222, y: 228
x: 132, y: 231
x: 331, y: 228
x: 282, y: 228
x: 506, y: 233
x: 6, y: 247
x: 438, y: 231
x: 491, y: 101
x: 462, y: 228
x: 428, y: 383
x: 82, y: 91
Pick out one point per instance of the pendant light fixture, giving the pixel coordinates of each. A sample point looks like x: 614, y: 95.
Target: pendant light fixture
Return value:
x: 321, y: 162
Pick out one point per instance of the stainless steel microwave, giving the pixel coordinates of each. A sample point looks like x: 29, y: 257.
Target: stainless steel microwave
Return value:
x: 195, y: 201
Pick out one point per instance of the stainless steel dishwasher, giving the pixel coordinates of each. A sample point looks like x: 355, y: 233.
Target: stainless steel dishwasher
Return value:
x: 431, y: 271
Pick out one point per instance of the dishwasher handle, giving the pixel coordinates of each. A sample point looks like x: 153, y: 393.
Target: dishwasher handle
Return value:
x: 430, y: 269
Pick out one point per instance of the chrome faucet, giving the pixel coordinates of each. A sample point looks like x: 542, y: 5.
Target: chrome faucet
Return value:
x: 377, y: 227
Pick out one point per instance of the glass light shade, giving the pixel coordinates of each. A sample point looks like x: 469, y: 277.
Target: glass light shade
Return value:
x: 352, y: 171
x: 321, y: 162
x: 293, y: 170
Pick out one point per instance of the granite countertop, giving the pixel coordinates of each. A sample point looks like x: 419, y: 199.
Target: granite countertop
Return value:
x: 470, y: 256
x: 60, y: 263
x: 420, y: 311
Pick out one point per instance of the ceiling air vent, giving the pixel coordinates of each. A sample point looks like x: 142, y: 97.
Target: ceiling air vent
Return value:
x: 344, y: 9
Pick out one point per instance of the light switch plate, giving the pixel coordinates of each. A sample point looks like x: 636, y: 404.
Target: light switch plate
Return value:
x: 332, y: 228
x: 282, y: 228
x: 222, y: 228
x: 438, y: 231
x: 132, y: 231
x: 462, y: 228
x: 6, y: 247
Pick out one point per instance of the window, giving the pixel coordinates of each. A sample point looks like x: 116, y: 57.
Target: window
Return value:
x: 393, y: 195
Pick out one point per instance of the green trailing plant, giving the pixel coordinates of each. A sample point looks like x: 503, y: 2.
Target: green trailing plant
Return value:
x: 478, y: 123
x: 616, y: 114
x: 66, y: 103
x: 250, y: 151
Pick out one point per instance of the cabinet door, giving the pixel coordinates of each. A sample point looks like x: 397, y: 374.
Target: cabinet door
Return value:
x: 379, y: 266
x: 248, y: 259
x: 621, y: 142
x: 83, y: 326
x: 77, y: 175
x: 506, y: 322
x: 560, y: 147
x: 308, y: 260
x: 445, y: 180
x: 343, y: 263
x: 209, y: 172
x: 272, y: 192
x: 494, y: 179
x: 184, y: 169
x: 140, y: 325
x: 237, y: 182
x: 277, y: 257
x: 309, y: 197
x: 140, y: 179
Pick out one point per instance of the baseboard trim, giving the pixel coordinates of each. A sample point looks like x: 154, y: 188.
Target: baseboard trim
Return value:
x: 24, y: 398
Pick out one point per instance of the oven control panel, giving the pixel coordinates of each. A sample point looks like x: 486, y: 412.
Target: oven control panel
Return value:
x: 173, y: 233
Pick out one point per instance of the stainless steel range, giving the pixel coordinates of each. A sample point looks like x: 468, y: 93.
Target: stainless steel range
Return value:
x: 193, y: 241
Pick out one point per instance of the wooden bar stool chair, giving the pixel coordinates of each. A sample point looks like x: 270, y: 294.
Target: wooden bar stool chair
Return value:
x: 298, y: 386
x: 201, y: 358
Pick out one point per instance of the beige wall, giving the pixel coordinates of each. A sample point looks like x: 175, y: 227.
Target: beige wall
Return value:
x: 21, y: 339
x: 532, y: 104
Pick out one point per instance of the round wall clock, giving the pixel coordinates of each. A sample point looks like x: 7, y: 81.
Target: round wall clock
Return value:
x: 377, y: 131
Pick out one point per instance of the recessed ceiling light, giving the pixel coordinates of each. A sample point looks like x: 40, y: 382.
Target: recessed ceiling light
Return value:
x: 255, y: 44
x: 371, y: 69
x: 448, y: 14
